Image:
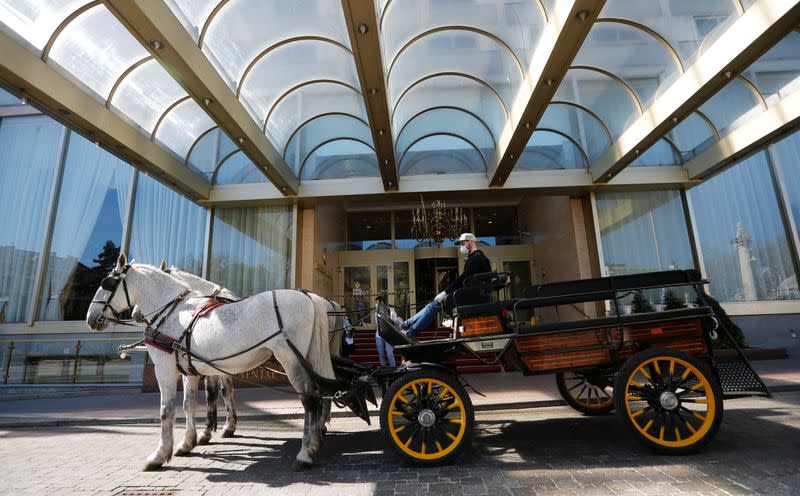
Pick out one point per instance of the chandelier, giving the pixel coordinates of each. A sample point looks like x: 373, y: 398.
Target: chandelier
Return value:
x: 437, y: 222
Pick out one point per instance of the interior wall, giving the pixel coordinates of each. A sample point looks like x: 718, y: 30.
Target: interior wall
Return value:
x: 559, y: 231
x: 322, y: 238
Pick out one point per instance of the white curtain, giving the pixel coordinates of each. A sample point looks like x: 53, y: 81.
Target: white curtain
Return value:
x: 29, y: 148
x: 88, y: 175
x: 166, y: 226
x: 250, y: 248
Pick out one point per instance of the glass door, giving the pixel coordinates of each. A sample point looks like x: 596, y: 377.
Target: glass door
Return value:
x: 357, y: 295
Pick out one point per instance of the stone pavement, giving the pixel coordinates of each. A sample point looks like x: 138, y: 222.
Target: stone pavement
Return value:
x: 552, y: 450
x: 502, y: 390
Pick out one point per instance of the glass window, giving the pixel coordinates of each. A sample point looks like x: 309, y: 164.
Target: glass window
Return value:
x: 402, y: 230
x: 8, y: 100
x: 643, y: 232
x: 250, y: 248
x: 743, y: 240
x: 167, y: 226
x: 30, y: 151
x: 369, y: 231
x: 496, y: 225
x: 88, y: 229
x: 402, y: 283
x: 357, y: 294
x: 786, y: 154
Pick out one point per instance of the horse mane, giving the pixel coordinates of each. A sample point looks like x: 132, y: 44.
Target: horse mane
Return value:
x: 153, y: 270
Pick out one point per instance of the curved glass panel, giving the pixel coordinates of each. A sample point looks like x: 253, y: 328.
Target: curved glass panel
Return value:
x: 631, y: 54
x: 34, y: 20
x: 341, y: 159
x: 547, y: 150
x: 727, y: 108
x: 96, y: 49
x: 602, y: 95
x: 146, y: 93
x: 691, y: 135
x: 444, y: 120
x: 244, y: 28
x: 441, y: 154
x: 777, y: 72
x: 290, y: 65
x: 457, y: 51
x: 683, y: 23
x: 661, y: 153
x: 238, y: 169
x: 518, y: 23
x: 578, y: 124
x: 310, y: 101
x: 320, y: 130
x: 453, y: 91
x: 181, y: 127
x: 192, y: 14
x: 209, y: 150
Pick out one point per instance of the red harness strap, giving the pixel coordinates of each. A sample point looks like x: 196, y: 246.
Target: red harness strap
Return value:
x: 207, y: 307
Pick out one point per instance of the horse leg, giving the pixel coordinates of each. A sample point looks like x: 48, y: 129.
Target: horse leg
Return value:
x: 190, y: 386
x: 167, y: 376
x: 227, y: 395
x: 212, y: 393
x: 326, y: 415
x: 312, y: 404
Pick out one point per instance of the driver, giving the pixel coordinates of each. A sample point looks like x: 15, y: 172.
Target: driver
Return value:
x: 475, y: 264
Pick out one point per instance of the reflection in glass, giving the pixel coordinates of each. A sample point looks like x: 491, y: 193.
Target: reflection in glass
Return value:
x: 357, y: 295
x: 250, y: 249
x: 402, y: 298
x: 550, y: 150
x: 29, y: 152
x: 42, y: 362
x: 743, y: 240
x: 496, y: 226
x: 88, y: 229
x: 369, y: 231
x: 99, y: 363
x: 786, y: 154
x: 166, y: 226
x: 339, y: 159
x: 441, y: 154
x: 238, y: 169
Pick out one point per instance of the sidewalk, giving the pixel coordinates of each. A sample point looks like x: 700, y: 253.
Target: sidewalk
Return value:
x: 502, y: 390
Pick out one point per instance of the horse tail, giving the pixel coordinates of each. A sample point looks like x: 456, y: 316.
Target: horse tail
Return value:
x: 319, y: 350
x: 336, y: 331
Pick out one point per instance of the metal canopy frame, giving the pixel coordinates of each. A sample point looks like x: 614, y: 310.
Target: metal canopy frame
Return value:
x: 569, y: 22
x: 152, y: 22
x: 362, y: 25
x: 749, y: 37
x: 67, y: 101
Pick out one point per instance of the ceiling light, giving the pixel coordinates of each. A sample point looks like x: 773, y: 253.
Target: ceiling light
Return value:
x: 380, y: 132
x: 23, y: 100
x: 96, y: 143
x: 548, y: 82
x: 373, y: 91
x: 727, y: 74
x: 240, y: 140
x: 636, y: 151
x: 206, y: 101
x: 362, y: 28
x: 674, y: 119
x: 527, y: 125
x: 582, y: 15
x: 511, y: 156
x: 157, y: 44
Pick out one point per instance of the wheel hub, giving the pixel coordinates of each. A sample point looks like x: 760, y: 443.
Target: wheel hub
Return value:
x: 426, y: 418
x: 668, y: 400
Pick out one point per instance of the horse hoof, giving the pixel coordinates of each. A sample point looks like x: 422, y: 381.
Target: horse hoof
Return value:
x: 203, y: 440
x: 183, y: 451
x: 299, y: 466
x: 227, y: 433
x: 151, y: 466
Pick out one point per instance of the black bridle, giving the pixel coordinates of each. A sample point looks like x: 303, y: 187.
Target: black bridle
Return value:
x: 111, y: 283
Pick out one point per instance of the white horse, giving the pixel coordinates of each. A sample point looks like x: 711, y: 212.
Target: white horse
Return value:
x: 214, y: 383
x: 235, y: 338
x: 208, y: 288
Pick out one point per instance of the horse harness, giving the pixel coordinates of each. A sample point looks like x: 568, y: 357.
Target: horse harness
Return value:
x: 111, y: 283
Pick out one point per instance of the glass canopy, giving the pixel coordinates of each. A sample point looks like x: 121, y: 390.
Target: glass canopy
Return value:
x: 455, y: 72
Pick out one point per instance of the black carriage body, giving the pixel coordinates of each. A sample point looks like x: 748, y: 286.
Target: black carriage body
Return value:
x: 496, y: 329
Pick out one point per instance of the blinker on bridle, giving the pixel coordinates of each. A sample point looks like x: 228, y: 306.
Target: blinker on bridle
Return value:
x: 111, y: 283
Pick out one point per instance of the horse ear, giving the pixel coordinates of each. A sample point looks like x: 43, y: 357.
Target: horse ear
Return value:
x: 163, y: 265
x: 122, y: 261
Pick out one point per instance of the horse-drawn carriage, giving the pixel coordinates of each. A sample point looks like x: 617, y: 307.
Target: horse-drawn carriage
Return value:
x: 658, y: 370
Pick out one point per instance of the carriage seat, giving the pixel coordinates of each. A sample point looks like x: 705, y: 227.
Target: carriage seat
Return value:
x: 489, y: 308
x: 390, y: 333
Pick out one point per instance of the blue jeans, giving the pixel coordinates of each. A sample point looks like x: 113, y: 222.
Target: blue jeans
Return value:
x: 385, y: 351
x: 423, y: 318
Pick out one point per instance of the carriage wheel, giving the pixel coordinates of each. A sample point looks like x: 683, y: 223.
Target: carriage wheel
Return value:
x: 669, y: 399
x: 427, y: 417
x: 591, y: 393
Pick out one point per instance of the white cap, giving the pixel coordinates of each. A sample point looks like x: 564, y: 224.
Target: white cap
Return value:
x: 465, y: 237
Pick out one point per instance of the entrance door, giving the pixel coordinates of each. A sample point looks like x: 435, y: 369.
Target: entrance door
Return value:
x: 363, y: 282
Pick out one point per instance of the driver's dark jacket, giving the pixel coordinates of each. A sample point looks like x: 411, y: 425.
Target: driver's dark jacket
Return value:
x: 475, y: 264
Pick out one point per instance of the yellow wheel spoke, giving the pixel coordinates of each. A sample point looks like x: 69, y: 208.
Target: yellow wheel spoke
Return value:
x: 456, y: 421
x: 414, y: 387
x: 402, y: 398
x: 636, y: 384
x: 644, y: 373
x: 701, y: 417
x: 396, y: 413
x: 423, y: 448
x: 451, y: 436
x: 408, y: 443
x: 661, y: 433
x: 439, y: 446
x: 677, y: 434
x: 694, y: 400
x: 697, y: 386
x: 400, y: 428
x: 658, y: 370
x: 637, y: 413
x: 647, y: 426
x: 672, y: 367
x: 454, y: 405
x: 685, y: 374
x: 430, y: 387
x: 694, y: 431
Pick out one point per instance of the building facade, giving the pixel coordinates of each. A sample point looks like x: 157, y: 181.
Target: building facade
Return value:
x: 105, y: 147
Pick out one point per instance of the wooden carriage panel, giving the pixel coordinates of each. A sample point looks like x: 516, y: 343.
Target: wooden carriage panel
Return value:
x: 663, y: 330
x: 483, y: 325
x: 561, y: 340
x: 567, y: 359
